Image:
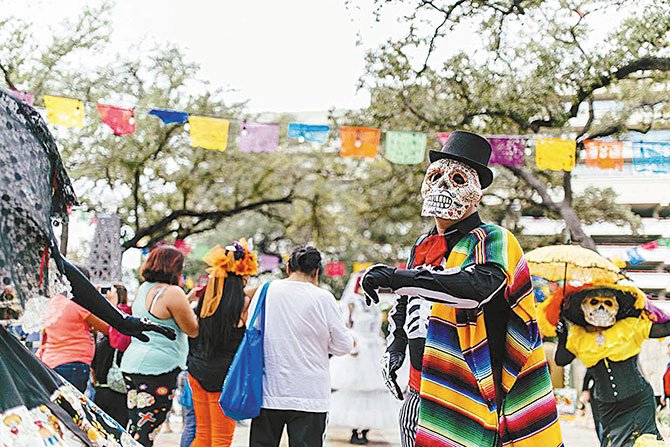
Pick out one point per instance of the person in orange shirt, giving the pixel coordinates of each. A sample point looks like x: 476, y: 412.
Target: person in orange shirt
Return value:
x: 68, y: 345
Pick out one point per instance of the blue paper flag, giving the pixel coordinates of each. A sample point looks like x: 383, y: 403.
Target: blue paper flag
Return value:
x: 170, y: 116
x: 634, y: 257
x: 315, y: 133
x: 651, y: 156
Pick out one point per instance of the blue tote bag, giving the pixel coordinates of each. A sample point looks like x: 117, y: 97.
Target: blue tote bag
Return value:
x: 242, y: 393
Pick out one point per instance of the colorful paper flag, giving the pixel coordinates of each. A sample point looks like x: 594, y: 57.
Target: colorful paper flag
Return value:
x: 170, y: 116
x: 604, y: 154
x: 634, y: 257
x: 335, y: 268
x: 651, y: 157
x: 208, y: 133
x: 182, y: 246
x: 26, y: 97
x: 190, y: 283
x: 359, y: 266
x: 359, y: 141
x: 313, y: 133
x: 259, y: 137
x: 651, y: 245
x: 507, y: 151
x: 442, y: 137
x: 120, y: 120
x: 268, y: 263
x: 555, y: 154
x: 406, y: 148
x: 663, y: 242
x: 618, y: 261
x: 199, y: 251
x: 65, y: 112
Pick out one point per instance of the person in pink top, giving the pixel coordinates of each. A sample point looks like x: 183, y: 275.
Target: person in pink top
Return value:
x: 68, y: 345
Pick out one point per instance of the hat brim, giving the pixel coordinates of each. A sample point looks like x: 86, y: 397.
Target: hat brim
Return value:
x: 484, y: 172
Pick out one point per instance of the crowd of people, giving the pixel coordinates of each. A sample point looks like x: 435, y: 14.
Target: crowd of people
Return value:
x: 463, y: 308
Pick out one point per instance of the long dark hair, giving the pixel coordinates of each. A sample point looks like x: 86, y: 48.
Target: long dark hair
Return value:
x: 218, y: 327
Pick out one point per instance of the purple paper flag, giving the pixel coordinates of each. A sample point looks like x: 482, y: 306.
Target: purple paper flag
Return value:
x: 507, y: 151
x: 26, y: 97
x: 268, y: 262
x: 259, y: 137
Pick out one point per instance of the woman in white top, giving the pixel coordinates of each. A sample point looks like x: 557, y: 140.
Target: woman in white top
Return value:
x: 303, y: 325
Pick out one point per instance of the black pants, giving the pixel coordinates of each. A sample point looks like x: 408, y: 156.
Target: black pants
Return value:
x: 304, y: 429
x: 149, y: 400
x: 112, y: 403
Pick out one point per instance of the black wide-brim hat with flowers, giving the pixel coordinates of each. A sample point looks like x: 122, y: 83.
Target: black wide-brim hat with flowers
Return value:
x: 469, y: 148
x: 631, y: 301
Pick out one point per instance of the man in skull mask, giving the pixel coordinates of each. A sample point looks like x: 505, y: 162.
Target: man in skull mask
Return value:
x: 484, y: 378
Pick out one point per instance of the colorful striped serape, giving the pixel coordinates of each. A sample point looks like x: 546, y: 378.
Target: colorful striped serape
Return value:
x: 458, y: 401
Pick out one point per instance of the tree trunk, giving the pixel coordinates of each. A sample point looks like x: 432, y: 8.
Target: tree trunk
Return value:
x: 564, y: 208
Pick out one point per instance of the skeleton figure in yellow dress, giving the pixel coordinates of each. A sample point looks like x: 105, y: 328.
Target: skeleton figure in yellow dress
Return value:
x: 609, y: 325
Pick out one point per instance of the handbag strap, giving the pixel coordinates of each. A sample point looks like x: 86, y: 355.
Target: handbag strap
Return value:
x: 260, y: 307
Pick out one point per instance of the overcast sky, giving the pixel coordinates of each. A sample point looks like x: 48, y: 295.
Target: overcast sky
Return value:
x: 288, y: 55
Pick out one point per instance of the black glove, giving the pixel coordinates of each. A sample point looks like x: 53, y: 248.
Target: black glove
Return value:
x: 391, y: 362
x: 377, y: 276
x: 85, y: 294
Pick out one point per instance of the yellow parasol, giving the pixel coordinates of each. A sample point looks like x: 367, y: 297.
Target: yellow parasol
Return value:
x: 572, y: 263
x: 564, y: 263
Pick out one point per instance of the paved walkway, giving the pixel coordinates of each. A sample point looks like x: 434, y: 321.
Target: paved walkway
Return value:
x: 577, y: 433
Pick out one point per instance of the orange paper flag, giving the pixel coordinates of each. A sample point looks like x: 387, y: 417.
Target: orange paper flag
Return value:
x: 555, y: 154
x: 359, y: 141
x: 604, y: 154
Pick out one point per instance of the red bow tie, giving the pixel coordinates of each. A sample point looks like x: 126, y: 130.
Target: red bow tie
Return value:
x: 431, y: 251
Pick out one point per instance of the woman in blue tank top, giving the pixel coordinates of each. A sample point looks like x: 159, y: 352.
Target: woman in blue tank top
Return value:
x: 150, y: 369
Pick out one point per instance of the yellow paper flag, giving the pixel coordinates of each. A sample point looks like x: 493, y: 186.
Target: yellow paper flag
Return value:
x: 66, y: 112
x: 208, y: 133
x: 555, y: 154
x: 358, y: 266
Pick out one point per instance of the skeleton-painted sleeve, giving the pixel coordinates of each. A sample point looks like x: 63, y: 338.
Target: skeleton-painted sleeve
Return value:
x: 397, y: 338
x: 466, y: 288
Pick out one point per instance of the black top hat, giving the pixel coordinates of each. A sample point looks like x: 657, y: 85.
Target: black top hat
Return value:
x: 469, y: 148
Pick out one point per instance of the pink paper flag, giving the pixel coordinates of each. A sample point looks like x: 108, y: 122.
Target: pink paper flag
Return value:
x: 442, y: 137
x: 268, y: 262
x: 335, y: 268
x: 259, y: 137
x: 119, y: 119
x: 26, y: 97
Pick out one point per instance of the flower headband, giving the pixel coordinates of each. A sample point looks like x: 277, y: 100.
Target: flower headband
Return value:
x: 222, y: 262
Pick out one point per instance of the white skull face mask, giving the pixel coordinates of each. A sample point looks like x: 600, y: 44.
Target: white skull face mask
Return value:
x: 600, y: 309
x: 449, y: 189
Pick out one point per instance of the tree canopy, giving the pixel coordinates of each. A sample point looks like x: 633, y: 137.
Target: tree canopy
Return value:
x: 537, y: 66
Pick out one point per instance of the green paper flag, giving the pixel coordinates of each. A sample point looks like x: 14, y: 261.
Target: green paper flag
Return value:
x: 405, y: 148
x: 199, y: 251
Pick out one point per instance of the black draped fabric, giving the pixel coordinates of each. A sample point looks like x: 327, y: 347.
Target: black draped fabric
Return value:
x: 36, y: 406
x: 34, y: 189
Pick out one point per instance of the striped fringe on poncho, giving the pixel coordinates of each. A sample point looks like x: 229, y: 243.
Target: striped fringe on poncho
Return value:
x: 458, y: 406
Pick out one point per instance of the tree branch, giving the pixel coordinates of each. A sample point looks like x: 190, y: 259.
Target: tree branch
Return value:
x: 174, y: 215
x: 7, y: 77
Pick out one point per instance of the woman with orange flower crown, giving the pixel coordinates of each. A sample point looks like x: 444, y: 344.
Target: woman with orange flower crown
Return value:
x: 609, y: 324
x: 222, y: 313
